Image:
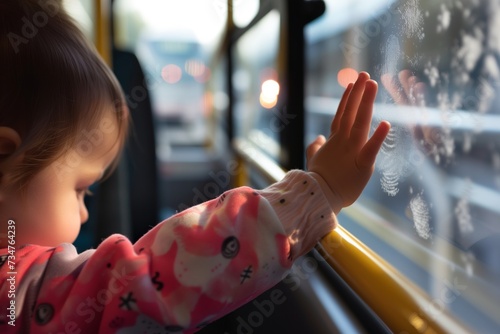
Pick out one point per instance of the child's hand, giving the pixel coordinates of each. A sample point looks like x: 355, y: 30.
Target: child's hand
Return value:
x: 345, y: 162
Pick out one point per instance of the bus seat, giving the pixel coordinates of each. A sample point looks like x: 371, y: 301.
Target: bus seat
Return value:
x: 140, y: 152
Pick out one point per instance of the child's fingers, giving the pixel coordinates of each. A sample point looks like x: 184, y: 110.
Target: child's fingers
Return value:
x: 361, y: 127
x: 334, y: 127
x: 352, y: 105
x: 368, y: 154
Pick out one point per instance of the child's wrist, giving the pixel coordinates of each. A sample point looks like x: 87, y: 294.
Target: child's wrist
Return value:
x: 333, y: 199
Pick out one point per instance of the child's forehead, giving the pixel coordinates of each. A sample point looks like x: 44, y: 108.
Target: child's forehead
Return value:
x: 106, y: 125
x: 100, y: 140
x: 90, y: 157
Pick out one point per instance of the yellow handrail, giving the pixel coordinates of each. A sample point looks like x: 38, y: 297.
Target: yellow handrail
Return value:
x: 401, y: 305
x: 102, y: 10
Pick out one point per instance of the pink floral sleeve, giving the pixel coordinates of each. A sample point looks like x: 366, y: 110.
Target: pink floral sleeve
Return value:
x: 188, y: 271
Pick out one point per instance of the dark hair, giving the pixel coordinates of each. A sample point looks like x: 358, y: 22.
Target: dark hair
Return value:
x: 53, y: 85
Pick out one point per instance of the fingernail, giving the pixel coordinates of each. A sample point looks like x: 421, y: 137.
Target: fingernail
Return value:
x: 366, y: 73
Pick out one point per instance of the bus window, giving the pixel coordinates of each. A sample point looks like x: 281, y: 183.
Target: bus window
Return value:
x: 432, y: 207
x: 179, y: 76
x: 244, y: 11
x: 256, y: 84
x: 174, y: 42
x: 83, y: 13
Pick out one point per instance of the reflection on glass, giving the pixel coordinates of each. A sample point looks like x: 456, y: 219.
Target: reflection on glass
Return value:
x: 436, y: 193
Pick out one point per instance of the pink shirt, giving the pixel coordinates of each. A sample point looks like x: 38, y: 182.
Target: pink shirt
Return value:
x: 186, y: 272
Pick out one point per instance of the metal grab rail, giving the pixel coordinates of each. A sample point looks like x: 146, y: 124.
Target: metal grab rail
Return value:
x: 102, y: 29
x: 399, y: 303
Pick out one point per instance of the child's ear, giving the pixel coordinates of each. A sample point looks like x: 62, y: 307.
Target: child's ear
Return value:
x: 9, y: 142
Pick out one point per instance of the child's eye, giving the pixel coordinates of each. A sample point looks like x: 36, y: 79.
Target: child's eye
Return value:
x: 84, y: 192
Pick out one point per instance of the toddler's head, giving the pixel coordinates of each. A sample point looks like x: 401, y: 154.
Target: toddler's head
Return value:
x: 63, y: 121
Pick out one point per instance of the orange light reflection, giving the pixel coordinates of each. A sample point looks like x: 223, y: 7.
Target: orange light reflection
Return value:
x: 347, y: 76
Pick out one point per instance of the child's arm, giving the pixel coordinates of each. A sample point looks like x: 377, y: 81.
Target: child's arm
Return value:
x: 187, y: 271
x: 208, y: 260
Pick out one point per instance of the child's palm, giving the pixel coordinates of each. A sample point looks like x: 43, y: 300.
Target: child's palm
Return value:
x: 345, y: 161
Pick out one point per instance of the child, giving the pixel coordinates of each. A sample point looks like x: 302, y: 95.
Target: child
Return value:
x: 63, y: 123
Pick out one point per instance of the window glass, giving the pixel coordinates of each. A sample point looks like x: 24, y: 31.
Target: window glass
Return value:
x: 432, y: 208
x: 217, y: 101
x: 244, y: 11
x: 174, y: 41
x: 83, y: 13
x: 256, y: 83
